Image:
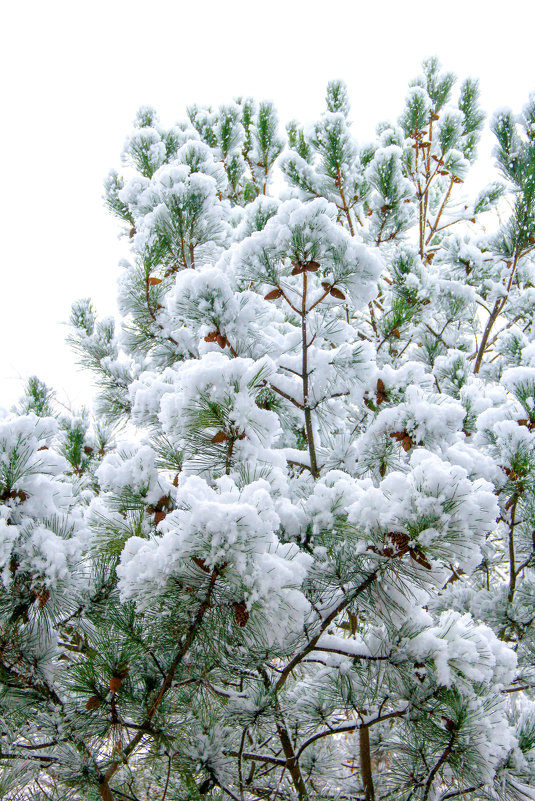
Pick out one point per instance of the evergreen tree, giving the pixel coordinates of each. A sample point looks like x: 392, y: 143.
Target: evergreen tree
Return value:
x: 293, y: 554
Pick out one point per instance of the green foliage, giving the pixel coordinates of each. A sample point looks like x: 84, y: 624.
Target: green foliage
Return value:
x: 112, y: 187
x: 438, y: 85
x: 473, y: 117
x: 297, y: 141
x: 417, y: 111
x: 337, y: 99
x: 38, y: 398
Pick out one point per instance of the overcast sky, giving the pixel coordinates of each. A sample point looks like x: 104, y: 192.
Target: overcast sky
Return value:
x: 75, y: 73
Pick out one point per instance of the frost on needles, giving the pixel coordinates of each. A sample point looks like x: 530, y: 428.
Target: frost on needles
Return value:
x: 292, y: 553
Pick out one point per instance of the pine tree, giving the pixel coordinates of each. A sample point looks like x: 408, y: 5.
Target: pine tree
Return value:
x: 292, y: 556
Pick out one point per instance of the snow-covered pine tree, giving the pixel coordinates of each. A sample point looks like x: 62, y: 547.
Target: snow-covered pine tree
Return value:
x: 303, y: 568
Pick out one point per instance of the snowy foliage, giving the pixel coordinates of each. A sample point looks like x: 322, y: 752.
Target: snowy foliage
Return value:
x: 292, y: 556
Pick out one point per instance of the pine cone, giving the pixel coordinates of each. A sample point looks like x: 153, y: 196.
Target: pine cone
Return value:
x: 400, y: 540
x: 93, y: 703
x: 42, y: 598
x: 241, y: 615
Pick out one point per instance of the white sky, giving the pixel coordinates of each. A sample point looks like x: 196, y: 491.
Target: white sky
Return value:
x: 75, y: 73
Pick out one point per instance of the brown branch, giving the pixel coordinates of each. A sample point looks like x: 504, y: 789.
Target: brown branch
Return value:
x: 240, y: 757
x: 228, y: 459
x: 498, y: 307
x: 443, y: 757
x: 289, y: 302
x: 524, y: 564
x: 26, y: 682
x: 317, y: 302
x: 304, y: 376
x: 291, y: 762
x: 166, y: 684
x: 523, y: 687
x: 350, y: 655
x: 259, y: 758
x: 228, y: 792
x: 372, y: 318
x: 357, y: 724
x: 440, y: 211
x: 427, y: 162
x: 28, y: 758
x: 329, y: 397
x: 298, y: 464
x: 455, y: 793
x: 366, y: 763
x: 486, y: 333
x: 288, y: 397
x: 512, y: 572
x: 338, y: 182
x: 167, y: 779
x: 324, y: 625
